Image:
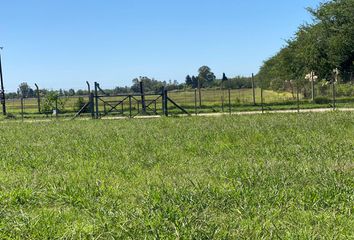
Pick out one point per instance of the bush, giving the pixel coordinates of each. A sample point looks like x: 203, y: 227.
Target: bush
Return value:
x: 50, y: 101
x: 10, y: 116
x: 346, y: 90
x: 322, y: 100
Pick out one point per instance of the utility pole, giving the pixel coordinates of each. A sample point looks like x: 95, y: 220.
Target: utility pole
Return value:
x: 2, y: 93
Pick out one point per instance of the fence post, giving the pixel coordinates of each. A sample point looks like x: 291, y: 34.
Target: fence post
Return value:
x: 22, y: 108
x: 2, y: 91
x: 130, y: 106
x: 222, y: 95
x: 96, y: 100
x: 164, y: 96
x: 253, y: 91
x: 262, y: 99
x: 92, y: 106
x: 88, y: 87
x: 38, y: 98
x: 334, y: 95
x: 335, y: 80
x: 229, y: 95
x: 56, y: 106
x: 195, y: 101
x: 297, y: 96
x: 143, y: 106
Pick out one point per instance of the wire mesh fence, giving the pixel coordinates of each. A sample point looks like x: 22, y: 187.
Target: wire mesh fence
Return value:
x: 194, y: 101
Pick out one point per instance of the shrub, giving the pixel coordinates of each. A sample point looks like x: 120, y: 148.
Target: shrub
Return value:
x: 322, y: 100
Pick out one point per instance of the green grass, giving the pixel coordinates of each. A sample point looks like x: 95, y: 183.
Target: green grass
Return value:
x: 231, y: 177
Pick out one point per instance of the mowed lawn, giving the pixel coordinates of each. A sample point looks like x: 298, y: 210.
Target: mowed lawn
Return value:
x: 259, y: 176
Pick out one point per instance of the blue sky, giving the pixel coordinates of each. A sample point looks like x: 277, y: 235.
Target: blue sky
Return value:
x: 63, y: 43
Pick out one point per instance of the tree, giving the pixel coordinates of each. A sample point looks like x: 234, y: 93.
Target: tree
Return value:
x: 188, y: 80
x: 24, y: 90
x: 71, y: 92
x: 325, y: 44
x: 206, y: 77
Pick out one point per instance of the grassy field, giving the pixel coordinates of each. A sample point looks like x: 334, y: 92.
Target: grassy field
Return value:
x: 259, y: 176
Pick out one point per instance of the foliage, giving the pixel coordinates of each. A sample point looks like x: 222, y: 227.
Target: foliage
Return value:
x: 321, y: 46
x: 239, y: 177
x: 52, y: 101
x: 24, y: 90
x: 322, y: 100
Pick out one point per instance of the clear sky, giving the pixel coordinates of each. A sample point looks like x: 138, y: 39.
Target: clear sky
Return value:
x: 63, y: 43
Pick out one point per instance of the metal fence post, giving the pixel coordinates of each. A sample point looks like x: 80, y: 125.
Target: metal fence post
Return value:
x: 96, y: 100
x: 92, y: 106
x: 262, y: 99
x: 56, y: 106
x: 22, y: 108
x: 143, y: 106
x: 229, y: 96
x: 297, y: 97
x: 130, y: 106
x: 3, y: 101
x: 195, y: 101
x: 165, y: 100
x: 334, y: 95
x: 38, y: 98
x: 253, y: 90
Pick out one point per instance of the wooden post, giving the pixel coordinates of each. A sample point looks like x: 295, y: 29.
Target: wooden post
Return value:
x: 253, y: 91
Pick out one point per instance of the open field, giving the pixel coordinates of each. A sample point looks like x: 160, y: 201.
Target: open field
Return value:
x: 259, y: 176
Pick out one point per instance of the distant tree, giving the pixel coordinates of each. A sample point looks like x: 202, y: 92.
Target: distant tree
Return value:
x: 194, y: 82
x: 80, y: 92
x: 189, y: 80
x: 24, y: 90
x: 71, y: 92
x: 206, y: 77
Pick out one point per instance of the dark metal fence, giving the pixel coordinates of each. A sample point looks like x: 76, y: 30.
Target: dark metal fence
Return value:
x: 187, y: 101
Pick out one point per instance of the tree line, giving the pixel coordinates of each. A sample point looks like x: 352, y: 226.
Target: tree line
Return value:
x: 325, y: 44
x: 204, y: 79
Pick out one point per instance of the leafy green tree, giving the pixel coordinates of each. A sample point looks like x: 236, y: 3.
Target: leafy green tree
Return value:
x: 206, y: 77
x: 325, y: 44
x: 25, y: 90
